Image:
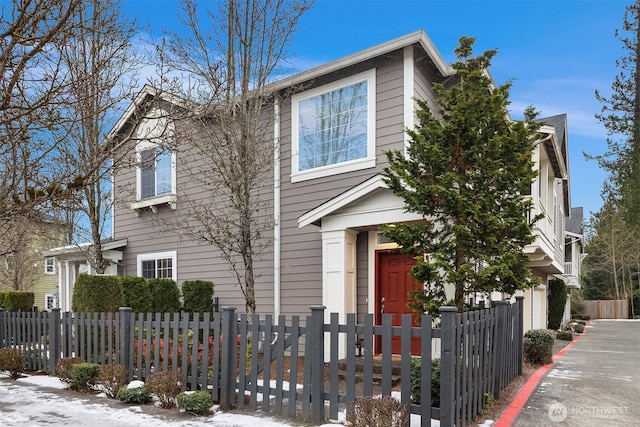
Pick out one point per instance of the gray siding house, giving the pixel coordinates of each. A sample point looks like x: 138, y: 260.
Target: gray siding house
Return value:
x: 325, y: 247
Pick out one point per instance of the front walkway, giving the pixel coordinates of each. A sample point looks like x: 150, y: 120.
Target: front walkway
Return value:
x: 595, y: 383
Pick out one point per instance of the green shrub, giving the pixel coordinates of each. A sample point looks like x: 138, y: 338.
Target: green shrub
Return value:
x: 435, y: 381
x: 197, y: 296
x: 165, y: 296
x: 198, y: 402
x: 112, y: 378
x: 166, y: 386
x: 557, y: 302
x: 97, y: 294
x: 377, y: 412
x: 538, y: 346
x: 564, y: 336
x: 83, y: 375
x: 11, y: 361
x: 134, y: 395
x: 579, y: 328
x: 137, y: 294
x: 64, y: 367
x: 2, y: 295
x: 18, y: 301
x: 585, y: 317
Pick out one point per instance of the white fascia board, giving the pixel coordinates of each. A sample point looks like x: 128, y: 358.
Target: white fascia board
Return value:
x: 364, y: 55
x: 549, y: 130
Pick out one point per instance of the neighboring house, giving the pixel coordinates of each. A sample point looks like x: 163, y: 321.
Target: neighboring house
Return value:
x: 326, y: 247
x: 72, y: 260
x: 550, y: 196
x: 573, y: 255
x: 22, y: 264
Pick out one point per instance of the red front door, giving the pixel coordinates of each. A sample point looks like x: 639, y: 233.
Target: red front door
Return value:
x: 393, y: 286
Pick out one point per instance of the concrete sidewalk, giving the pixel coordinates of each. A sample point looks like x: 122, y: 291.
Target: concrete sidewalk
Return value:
x: 595, y: 383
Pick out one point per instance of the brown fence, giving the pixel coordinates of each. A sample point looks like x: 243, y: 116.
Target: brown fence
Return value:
x: 241, y: 360
x: 607, y: 309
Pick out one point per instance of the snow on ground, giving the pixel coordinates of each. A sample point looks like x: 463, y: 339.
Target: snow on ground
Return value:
x: 40, y: 400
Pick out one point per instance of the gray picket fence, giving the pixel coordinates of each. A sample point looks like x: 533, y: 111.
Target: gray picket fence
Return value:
x: 241, y: 360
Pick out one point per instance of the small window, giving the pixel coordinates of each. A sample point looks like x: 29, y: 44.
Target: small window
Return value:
x: 49, y: 302
x: 49, y: 265
x: 157, y: 266
x: 333, y: 128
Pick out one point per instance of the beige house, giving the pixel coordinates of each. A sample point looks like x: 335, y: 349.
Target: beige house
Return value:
x: 23, y: 265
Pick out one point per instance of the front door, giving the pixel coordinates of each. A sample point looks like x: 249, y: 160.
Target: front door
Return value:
x: 392, y: 292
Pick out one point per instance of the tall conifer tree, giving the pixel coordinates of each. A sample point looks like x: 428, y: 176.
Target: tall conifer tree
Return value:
x: 467, y: 168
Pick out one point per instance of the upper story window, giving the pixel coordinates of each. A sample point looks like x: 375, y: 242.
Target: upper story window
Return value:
x: 333, y: 128
x: 156, y: 159
x: 49, y: 265
x: 156, y: 171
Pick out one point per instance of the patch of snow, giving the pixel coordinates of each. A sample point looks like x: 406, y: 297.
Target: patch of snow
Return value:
x: 135, y: 384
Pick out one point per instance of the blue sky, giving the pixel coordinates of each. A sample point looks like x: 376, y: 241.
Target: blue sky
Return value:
x: 557, y: 53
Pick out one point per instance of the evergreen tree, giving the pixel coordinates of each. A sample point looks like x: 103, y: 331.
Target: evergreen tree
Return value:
x: 621, y: 116
x: 467, y: 168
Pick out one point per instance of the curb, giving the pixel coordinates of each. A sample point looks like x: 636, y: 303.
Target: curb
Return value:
x: 509, y: 415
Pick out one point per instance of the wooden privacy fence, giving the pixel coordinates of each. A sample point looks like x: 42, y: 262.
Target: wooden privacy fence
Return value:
x: 607, y: 309
x: 241, y: 360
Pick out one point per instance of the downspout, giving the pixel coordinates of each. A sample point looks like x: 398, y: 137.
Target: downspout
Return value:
x: 276, y: 206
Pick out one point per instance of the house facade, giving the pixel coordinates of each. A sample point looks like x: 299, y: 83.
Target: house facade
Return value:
x: 327, y: 204
x: 22, y: 264
x: 574, y: 255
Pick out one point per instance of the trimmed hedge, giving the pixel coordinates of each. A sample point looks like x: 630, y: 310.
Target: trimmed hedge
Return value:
x: 2, y: 294
x: 198, y: 402
x: 165, y: 295
x: 97, y: 294
x: 538, y: 346
x: 137, y: 294
x: 557, y: 302
x: 134, y: 395
x: 18, y: 301
x: 83, y: 375
x: 197, y: 296
x: 564, y: 336
x: 416, y: 381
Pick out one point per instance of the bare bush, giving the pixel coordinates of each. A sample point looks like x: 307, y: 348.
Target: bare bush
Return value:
x: 377, y: 412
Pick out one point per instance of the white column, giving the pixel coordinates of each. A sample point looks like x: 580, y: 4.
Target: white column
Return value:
x: 339, y: 276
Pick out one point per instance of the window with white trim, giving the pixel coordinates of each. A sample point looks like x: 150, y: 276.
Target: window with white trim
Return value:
x: 333, y: 128
x: 49, y: 265
x: 49, y: 302
x: 159, y: 265
x: 156, y: 170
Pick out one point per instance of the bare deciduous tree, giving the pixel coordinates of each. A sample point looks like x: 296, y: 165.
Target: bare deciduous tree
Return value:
x: 33, y: 85
x: 230, y: 58
x: 20, y: 250
x: 100, y: 56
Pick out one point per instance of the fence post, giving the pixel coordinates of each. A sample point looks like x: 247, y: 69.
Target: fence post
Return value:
x: 316, y: 335
x: 124, y: 334
x: 2, y: 327
x: 520, y: 333
x: 447, y: 364
x: 229, y: 342
x: 500, y: 308
x: 55, y: 335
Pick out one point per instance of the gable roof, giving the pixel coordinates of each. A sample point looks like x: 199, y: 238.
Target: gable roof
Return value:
x: 556, y: 143
x: 417, y: 37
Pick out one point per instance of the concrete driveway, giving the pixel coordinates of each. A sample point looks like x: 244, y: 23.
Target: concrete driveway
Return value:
x: 595, y: 383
